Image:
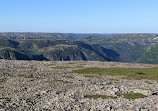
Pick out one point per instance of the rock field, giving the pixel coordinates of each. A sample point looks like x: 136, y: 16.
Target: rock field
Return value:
x: 51, y: 86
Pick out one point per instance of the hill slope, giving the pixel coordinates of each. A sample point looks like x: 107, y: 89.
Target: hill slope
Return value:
x: 150, y: 55
x: 15, y: 54
x: 54, y: 49
x: 129, y: 46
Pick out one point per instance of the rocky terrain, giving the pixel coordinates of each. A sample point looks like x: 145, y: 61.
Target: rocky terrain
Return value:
x: 53, y: 86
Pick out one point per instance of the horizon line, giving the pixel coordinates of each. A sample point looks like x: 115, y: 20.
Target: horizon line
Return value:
x: 79, y: 32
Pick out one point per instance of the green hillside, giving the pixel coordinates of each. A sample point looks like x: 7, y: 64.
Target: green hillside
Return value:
x: 8, y: 43
x: 54, y: 49
x: 129, y: 46
x: 150, y: 55
x: 63, y: 46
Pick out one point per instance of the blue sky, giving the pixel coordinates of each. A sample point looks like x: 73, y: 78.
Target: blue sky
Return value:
x: 79, y: 16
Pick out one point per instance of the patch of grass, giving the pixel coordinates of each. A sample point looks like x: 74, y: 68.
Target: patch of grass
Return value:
x: 51, y: 64
x: 3, y: 80
x: 139, y: 73
x: 5, y: 75
x: 114, y: 79
x: 99, y: 96
x: 93, y: 76
x: 80, y: 66
x: 28, y: 77
x: 113, y: 97
x: 133, y: 95
x: 68, y: 76
x: 20, y: 75
x: 61, y: 67
x: 131, y: 73
x: 57, y: 81
x: 71, y: 63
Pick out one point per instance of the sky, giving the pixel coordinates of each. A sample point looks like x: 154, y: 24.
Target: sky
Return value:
x: 79, y: 16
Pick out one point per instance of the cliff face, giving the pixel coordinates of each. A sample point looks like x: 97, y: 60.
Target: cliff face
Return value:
x: 81, y: 52
x: 55, y: 49
x: 11, y: 54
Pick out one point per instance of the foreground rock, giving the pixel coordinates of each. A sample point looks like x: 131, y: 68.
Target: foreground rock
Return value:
x: 49, y: 86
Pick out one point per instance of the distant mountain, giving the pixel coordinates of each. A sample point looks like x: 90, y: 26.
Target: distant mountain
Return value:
x: 32, y: 35
x: 53, y: 49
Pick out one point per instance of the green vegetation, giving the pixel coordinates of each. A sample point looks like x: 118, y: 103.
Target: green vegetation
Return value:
x: 57, y: 47
x: 150, y: 55
x: 61, y: 67
x: 129, y: 46
x: 28, y: 77
x: 68, y: 76
x: 53, y: 49
x: 57, y: 81
x: 80, y: 66
x: 3, y: 80
x: 71, y: 63
x: 93, y: 76
x: 8, y: 43
x: 99, y: 96
x: 131, y: 73
x: 133, y: 95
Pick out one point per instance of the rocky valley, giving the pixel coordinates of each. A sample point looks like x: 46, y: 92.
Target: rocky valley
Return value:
x: 78, y: 55
x: 129, y: 48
